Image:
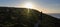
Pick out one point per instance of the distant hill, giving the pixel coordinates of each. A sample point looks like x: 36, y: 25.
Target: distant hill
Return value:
x: 57, y: 15
x: 24, y: 17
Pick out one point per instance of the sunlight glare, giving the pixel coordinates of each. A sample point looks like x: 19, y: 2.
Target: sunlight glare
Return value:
x: 28, y: 5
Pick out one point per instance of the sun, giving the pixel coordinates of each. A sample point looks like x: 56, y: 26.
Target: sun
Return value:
x: 28, y: 5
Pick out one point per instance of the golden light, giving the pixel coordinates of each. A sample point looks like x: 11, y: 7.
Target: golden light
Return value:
x: 28, y: 5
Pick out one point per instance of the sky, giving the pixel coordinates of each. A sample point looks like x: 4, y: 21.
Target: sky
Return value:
x: 46, y: 6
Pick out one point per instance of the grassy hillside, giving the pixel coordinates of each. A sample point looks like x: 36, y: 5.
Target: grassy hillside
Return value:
x: 49, y: 21
x: 23, y: 17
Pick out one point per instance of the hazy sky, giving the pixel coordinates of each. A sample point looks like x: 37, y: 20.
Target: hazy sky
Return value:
x: 47, y: 6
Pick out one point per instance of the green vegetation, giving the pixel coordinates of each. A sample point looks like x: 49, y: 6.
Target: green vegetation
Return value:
x: 23, y: 17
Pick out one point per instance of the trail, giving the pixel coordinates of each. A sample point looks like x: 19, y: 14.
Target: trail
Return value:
x: 37, y: 24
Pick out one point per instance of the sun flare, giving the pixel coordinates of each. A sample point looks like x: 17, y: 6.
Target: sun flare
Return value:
x: 28, y: 5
